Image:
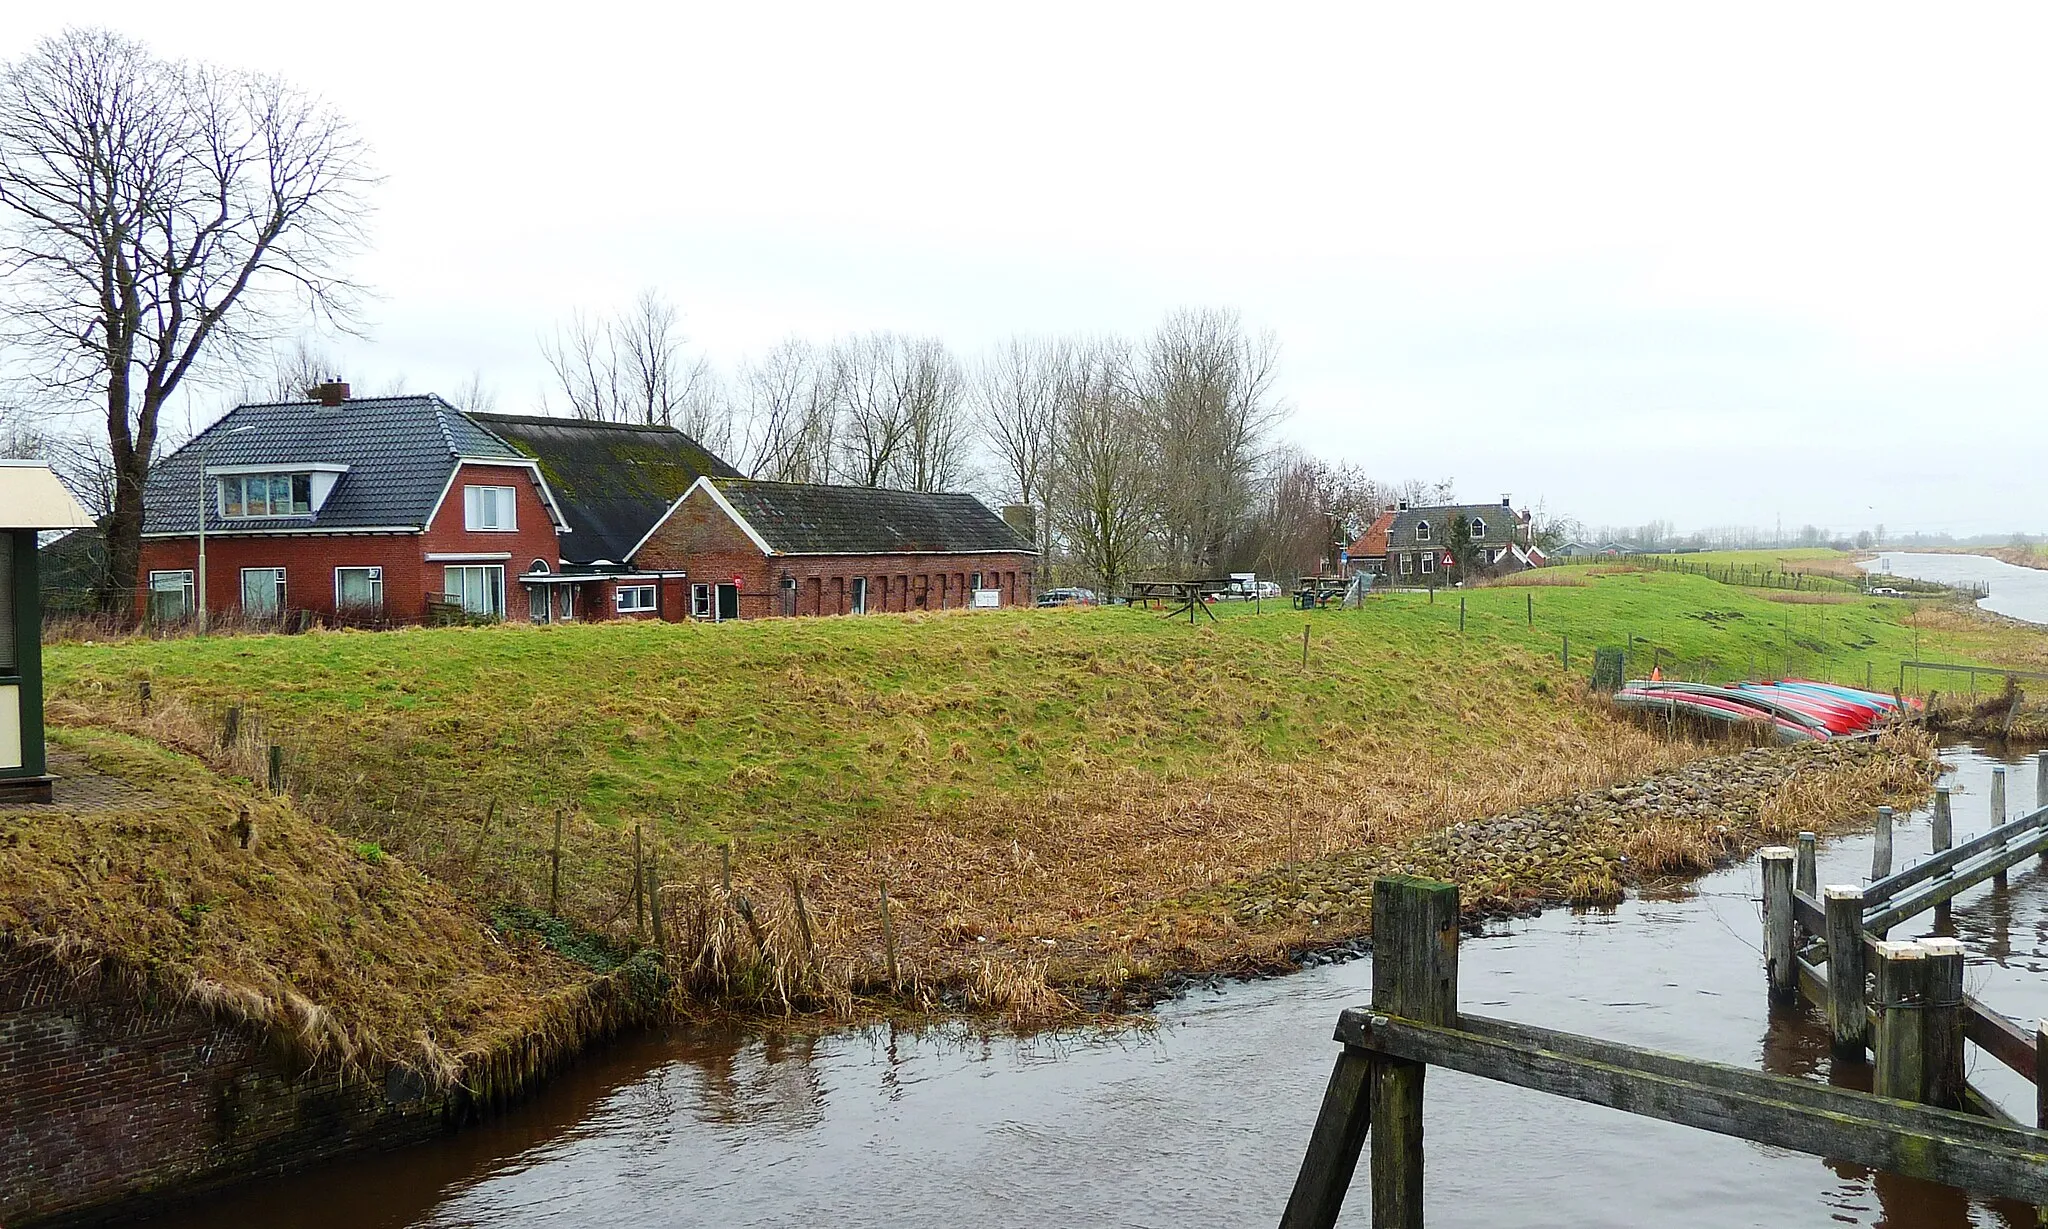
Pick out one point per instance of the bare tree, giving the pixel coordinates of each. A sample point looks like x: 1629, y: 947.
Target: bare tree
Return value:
x: 929, y: 385
x: 1017, y: 389
x: 788, y: 415
x: 1103, y: 481
x: 1207, y: 390
x: 872, y: 419
x: 632, y: 368
x: 156, y: 214
x: 474, y: 396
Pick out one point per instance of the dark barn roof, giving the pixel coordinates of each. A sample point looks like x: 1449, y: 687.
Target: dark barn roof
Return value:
x: 1501, y: 524
x: 613, y: 480
x: 399, y: 450
x: 804, y: 519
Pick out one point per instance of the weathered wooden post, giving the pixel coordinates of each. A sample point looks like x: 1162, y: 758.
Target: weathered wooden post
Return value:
x: 2041, y: 789
x: 1414, y: 975
x: 143, y: 694
x: 1942, y: 1030
x: 1881, y: 848
x: 555, y: 870
x: 1944, y: 821
x: 2040, y: 1085
x: 1998, y: 815
x: 655, y: 925
x: 1304, y: 646
x: 276, y: 769
x: 1848, y: 1017
x: 639, y: 885
x: 1780, y: 964
x: 1532, y: 610
x: 231, y: 727
x: 888, y: 937
x: 1808, y: 877
x: 1898, y: 1036
x: 1461, y: 614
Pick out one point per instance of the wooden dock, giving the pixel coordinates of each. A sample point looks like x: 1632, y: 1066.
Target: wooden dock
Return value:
x: 1922, y: 1018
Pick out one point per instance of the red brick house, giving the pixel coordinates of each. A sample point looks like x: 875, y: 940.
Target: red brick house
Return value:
x: 362, y: 509
x: 386, y: 509
x: 753, y: 548
x: 1369, y: 552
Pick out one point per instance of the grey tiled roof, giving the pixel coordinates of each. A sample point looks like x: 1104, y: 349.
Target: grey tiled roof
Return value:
x: 1500, y: 522
x: 399, y: 451
x: 803, y: 519
x: 613, y: 481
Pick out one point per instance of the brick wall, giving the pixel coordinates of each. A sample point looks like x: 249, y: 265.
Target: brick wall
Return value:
x: 309, y: 561
x: 700, y: 539
x: 106, y: 1104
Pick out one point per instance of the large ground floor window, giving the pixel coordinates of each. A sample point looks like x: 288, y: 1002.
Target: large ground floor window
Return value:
x: 170, y: 595
x: 478, y: 589
x: 359, y: 589
x: 262, y: 592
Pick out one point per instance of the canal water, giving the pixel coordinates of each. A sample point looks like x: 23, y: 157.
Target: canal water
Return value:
x: 1201, y: 1120
x: 2020, y: 593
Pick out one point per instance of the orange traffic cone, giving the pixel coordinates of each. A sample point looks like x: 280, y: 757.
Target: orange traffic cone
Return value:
x: 1656, y: 674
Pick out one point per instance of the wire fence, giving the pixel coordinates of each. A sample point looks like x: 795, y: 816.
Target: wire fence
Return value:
x: 1751, y: 576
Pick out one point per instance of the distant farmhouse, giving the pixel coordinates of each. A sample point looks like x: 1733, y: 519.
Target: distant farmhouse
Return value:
x: 401, y: 509
x: 1411, y: 544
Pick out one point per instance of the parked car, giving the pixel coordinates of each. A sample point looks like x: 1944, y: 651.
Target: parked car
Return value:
x: 1886, y: 591
x: 1068, y: 597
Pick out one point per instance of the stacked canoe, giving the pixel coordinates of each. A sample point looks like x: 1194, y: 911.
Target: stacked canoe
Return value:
x: 1798, y: 710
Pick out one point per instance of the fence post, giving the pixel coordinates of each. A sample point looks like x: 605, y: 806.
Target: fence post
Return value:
x: 639, y: 884
x: 1848, y: 1017
x: 1414, y: 975
x: 276, y: 769
x: 1901, y: 1000
x: 1808, y: 876
x: 2041, y: 789
x: 1780, y: 967
x: 555, y: 869
x: 2040, y: 1085
x: 1881, y: 849
x: 1461, y: 614
x: 1944, y: 821
x: 231, y: 727
x: 1942, y: 1031
x: 1531, y: 598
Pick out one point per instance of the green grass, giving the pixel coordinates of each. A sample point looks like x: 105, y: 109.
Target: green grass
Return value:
x: 776, y: 725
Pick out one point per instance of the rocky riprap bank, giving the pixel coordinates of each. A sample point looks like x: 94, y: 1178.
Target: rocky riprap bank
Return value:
x: 1586, y: 848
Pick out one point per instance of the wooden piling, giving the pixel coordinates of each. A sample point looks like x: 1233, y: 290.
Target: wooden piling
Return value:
x: 888, y: 937
x: 1998, y: 816
x: 231, y: 727
x: 2041, y: 789
x: 639, y: 887
x: 1808, y: 876
x: 1942, y: 1026
x: 2040, y: 1085
x: 1897, y: 1037
x: 1415, y: 976
x: 142, y: 695
x: 1781, y: 967
x: 1848, y: 1017
x: 1944, y: 821
x: 276, y: 769
x: 1333, y: 1145
x: 656, y: 927
x: 1304, y: 646
x: 1532, y: 610
x: 1881, y: 848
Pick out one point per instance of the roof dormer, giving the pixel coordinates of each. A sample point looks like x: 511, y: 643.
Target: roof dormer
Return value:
x: 266, y: 492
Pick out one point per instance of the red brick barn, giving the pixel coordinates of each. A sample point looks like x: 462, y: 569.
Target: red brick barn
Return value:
x: 753, y: 548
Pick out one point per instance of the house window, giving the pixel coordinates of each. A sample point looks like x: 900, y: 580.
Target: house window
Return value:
x: 359, y: 588
x: 1478, y: 528
x: 246, y: 495
x: 262, y: 592
x: 1422, y: 531
x: 976, y: 583
x: 568, y: 602
x: 860, y: 595
x: 635, y: 598
x: 1407, y: 564
x: 1428, y: 562
x: 170, y: 596
x: 700, y: 601
x: 478, y: 589
x: 488, y: 509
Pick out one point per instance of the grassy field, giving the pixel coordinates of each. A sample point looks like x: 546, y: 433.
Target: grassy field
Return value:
x: 1030, y: 785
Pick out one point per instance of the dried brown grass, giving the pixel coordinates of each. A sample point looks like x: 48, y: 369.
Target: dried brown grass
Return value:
x: 1539, y: 578
x: 1795, y: 597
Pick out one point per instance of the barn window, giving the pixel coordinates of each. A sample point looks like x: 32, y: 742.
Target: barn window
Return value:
x: 700, y: 601
x: 860, y: 595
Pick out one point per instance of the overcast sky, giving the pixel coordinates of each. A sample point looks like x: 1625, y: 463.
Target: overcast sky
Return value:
x: 1756, y: 263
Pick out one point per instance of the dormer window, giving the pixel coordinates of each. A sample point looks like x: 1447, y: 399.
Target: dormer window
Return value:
x: 1478, y: 528
x: 252, y: 495
x: 1422, y: 531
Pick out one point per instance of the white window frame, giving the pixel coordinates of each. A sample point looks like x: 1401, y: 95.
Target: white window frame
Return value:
x: 1478, y: 528
x: 700, y: 601
x: 1407, y: 565
x: 644, y: 599
x: 184, y: 574
x: 857, y: 595
x: 482, y: 507
x: 494, y: 587
x: 277, y: 578
x: 1428, y: 562
x: 567, y: 606
x: 376, y: 581
x: 292, y: 480
x: 1422, y: 531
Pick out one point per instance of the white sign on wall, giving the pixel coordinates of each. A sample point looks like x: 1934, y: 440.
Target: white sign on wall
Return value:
x: 987, y: 599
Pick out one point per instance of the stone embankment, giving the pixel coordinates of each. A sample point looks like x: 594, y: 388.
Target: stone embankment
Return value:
x: 1586, y: 849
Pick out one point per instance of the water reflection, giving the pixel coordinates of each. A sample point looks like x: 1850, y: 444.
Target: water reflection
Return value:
x: 1202, y: 1120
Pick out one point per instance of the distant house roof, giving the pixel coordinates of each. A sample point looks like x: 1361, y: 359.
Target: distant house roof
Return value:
x: 1372, y: 544
x: 613, y: 480
x: 1499, y: 523
x: 399, y: 452
x: 798, y: 518
x: 32, y: 498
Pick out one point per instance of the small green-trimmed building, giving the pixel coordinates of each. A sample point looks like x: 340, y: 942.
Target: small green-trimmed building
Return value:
x: 32, y: 502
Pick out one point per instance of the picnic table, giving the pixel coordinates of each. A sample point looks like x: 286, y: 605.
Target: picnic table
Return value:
x: 1318, y: 592
x: 1177, y: 597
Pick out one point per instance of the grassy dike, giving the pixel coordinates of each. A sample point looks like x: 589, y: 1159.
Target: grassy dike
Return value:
x: 1059, y: 803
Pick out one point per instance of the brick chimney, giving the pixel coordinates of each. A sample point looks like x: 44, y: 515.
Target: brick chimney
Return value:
x: 330, y: 392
